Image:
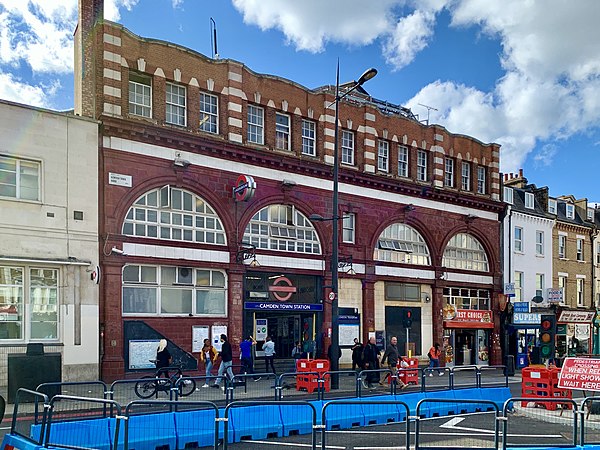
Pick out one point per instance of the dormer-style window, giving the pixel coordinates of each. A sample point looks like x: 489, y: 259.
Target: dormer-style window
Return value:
x: 529, y: 200
x: 508, y: 195
x: 570, y: 211
x: 551, y: 206
x: 590, y: 214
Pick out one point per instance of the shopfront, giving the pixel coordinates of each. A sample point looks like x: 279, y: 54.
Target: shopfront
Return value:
x: 574, y: 333
x: 285, y: 307
x: 526, y: 325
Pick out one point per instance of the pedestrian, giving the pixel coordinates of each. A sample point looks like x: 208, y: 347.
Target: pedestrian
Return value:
x: 357, y: 350
x: 269, y: 349
x: 226, y: 355
x: 333, y: 349
x: 246, y: 356
x: 434, y: 359
x: 208, y: 356
x: 371, y: 362
x: 163, y: 358
x: 391, y: 355
x: 297, y: 352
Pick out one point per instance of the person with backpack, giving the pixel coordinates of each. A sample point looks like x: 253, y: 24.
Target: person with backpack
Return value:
x: 434, y: 359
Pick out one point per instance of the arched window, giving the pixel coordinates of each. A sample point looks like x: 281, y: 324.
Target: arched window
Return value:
x: 175, y: 215
x: 465, y: 252
x: 283, y: 228
x: 401, y: 243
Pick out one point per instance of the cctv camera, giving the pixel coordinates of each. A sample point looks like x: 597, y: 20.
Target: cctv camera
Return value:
x: 118, y: 251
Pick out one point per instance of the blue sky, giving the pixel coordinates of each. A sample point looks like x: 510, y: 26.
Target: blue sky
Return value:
x: 524, y: 74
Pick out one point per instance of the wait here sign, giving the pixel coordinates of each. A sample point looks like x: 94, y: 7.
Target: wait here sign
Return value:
x: 580, y: 373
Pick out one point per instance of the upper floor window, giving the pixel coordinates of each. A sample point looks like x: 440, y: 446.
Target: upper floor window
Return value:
x: 282, y: 132
x: 176, y: 101
x: 422, y: 165
x: 562, y: 284
x: 598, y: 254
x: 579, y: 249
x: 19, y: 178
x: 580, y: 291
x: 551, y: 206
x: 174, y: 214
x: 467, y: 298
x: 508, y: 195
x: 539, y: 285
x: 349, y: 226
x: 209, y: 113
x: 481, y: 179
x: 169, y: 291
x: 256, y: 125
x: 347, y: 147
x: 518, y: 239
x: 465, y: 252
x: 562, y: 246
x: 466, y: 176
x: 590, y: 214
x: 403, y: 161
x: 140, y: 95
x: 308, y: 138
x: 383, y: 156
x: 449, y: 172
x: 401, y: 243
x: 282, y: 228
x: 518, y: 286
x: 539, y: 243
x: 529, y: 200
x: 570, y: 211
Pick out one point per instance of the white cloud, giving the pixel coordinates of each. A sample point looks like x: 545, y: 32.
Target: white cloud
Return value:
x: 112, y: 8
x: 544, y: 156
x: 15, y: 90
x: 410, y: 35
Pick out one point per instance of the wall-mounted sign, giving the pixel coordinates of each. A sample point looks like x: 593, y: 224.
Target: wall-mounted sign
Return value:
x: 282, y: 288
x: 576, y: 316
x: 267, y: 306
x: 555, y: 295
x: 244, y: 189
x: 118, y: 179
x: 521, y: 307
x: 509, y: 289
x: 527, y: 318
x: 261, y: 327
x: 470, y: 318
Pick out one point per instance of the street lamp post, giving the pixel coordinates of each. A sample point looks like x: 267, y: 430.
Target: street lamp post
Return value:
x: 335, y: 353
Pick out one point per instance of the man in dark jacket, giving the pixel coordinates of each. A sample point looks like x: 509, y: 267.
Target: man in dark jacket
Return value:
x: 391, y: 355
x: 371, y: 362
x: 226, y: 355
x: 357, y: 350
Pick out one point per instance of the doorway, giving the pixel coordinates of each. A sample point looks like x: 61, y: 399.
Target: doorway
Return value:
x: 394, y: 326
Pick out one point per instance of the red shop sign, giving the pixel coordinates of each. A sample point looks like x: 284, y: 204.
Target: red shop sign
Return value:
x: 580, y: 373
x: 470, y: 318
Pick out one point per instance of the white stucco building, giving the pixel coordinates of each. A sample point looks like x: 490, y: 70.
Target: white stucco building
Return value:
x: 48, y: 238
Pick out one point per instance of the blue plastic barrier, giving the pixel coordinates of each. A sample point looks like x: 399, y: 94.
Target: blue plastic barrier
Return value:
x: 469, y: 394
x: 298, y: 420
x: 497, y: 395
x: 411, y: 400
x: 92, y: 433
x: 256, y: 422
x: 13, y: 441
x: 434, y: 409
x: 339, y: 417
x: 148, y: 431
x: 197, y: 429
x: 380, y: 414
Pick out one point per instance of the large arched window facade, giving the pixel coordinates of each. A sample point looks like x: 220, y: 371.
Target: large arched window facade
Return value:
x: 176, y: 215
x: 282, y: 228
x: 401, y: 243
x: 465, y: 252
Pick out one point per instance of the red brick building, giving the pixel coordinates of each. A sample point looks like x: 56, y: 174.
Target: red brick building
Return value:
x: 421, y: 208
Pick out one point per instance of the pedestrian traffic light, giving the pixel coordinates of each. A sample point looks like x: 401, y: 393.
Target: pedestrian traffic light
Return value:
x: 547, y: 336
x: 407, y: 319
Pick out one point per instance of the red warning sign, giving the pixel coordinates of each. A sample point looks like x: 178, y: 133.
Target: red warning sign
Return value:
x: 580, y: 373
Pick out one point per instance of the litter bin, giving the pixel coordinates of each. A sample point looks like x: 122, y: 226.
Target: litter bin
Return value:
x: 509, y: 363
x: 31, y: 369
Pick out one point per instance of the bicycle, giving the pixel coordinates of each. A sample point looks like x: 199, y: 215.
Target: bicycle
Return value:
x: 153, y: 384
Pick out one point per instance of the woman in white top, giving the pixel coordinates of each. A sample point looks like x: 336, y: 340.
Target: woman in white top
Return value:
x: 269, y: 349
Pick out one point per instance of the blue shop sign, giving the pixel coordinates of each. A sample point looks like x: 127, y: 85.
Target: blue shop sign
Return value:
x: 521, y: 307
x: 270, y: 306
x: 527, y: 318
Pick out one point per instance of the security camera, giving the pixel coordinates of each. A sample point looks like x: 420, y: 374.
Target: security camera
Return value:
x: 118, y: 251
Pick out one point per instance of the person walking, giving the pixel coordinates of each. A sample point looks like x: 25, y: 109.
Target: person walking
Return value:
x: 371, y: 362
x: 391, y: 355
x: 163, y: 358
x: 246, y: 356
x: 357, y: 350
x: 208, y: 355
x: 434, y: 359
x: 269, y: 349
x: 226, y: 355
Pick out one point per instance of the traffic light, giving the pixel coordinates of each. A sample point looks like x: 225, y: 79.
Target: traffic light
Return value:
x: 407, y: 318
x: 547, y: 336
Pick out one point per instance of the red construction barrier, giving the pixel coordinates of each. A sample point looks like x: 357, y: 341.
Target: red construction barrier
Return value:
x: 310, y: 381
x: 543, y: 382
x: 408, y: 374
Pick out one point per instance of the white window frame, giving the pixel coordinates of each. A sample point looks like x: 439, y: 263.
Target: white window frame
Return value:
x: 580, y: 291
x: 529, y: 200
x: 590, y: 214
x: 481, y: 179
x: 403, y: 161
x: 465, y: 252
x: 518, y: 239
x: 466, y: 176
x: 347, y: 156
x: 519, y: 281
x: 508, y: 195
x: 562, y: 246
x: 598, y: 253
x: 283, y: 135
x: 539, y: 243
x: 309, y: 134
x: 562, y: 283
x: 539, y: 284
x: 580, y: 249
x: 421, y: 165
x: 142, y: 100
x: 449, y: 172
x: 256, y: 125
x: 570, y: 211
x: 383, y: 156
x: 401, y: 243
x: 552, y: 206
x: 349, y: 228
x: 209, y: 113
x: 20, y: 167
x: 176, y: 104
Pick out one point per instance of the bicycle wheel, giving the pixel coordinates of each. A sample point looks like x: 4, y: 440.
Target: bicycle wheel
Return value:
x: 186, y: 386
x: 146, y: 388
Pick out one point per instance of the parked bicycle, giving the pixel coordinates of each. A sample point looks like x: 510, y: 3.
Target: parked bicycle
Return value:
x: 162, y: 381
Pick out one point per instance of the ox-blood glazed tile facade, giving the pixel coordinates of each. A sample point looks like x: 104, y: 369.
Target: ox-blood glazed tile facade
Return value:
x: 179, y: 129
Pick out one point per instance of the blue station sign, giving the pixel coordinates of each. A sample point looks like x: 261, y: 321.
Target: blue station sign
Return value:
x: 270, y: 306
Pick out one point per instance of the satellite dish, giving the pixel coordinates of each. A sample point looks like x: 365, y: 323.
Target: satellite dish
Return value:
x: 537, y: 299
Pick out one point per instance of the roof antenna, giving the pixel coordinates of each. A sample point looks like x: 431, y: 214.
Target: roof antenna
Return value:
x: 429, y: 108
x: 213, y: 38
